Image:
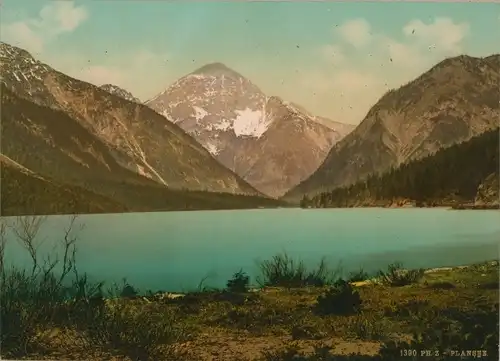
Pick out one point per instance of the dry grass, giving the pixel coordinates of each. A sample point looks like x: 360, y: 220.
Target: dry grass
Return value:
x: 253, y: 326
x: 313, y: 322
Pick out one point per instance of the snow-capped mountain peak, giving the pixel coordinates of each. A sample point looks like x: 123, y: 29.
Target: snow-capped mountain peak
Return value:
x: 12, y: 52
x: 216, y: 69
x: 19, y: 69
x: 269, y: 142
x: 214, y: 101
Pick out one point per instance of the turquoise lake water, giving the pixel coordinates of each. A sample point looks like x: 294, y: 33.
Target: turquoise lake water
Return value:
x: 173, y: 251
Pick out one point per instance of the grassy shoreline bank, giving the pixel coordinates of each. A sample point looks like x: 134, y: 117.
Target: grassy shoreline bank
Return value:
x: 359, y: 320
x: 299, y: 313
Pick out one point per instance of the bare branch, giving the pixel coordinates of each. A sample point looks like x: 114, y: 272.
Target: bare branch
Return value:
x: 69, y: 245
x: 3, y: 243
x: 48, y: 266
x: 26, y: 229
x: 201, y: 284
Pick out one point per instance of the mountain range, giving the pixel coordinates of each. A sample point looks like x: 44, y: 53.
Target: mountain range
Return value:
x: 452, y: 102
x: 81, y: 135
x: 246, y: 130
x: 213, y: 139
x: 466, y: 173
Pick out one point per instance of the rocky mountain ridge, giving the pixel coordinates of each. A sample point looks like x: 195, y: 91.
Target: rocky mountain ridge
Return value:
x: 462, y: 176
x: 488, y: 192
x: 82, y: 135
x: 116, y: 90
x: 452, y: 102
x: 247, y: 131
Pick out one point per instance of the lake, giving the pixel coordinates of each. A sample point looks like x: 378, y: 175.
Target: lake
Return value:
x: 173, y: 251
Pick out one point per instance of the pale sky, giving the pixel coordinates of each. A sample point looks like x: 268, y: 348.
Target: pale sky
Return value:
x: 335, y: 59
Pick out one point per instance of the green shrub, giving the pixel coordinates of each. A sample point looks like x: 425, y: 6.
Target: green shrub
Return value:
x: 283, y: 271
x: 123, y: 290
x: 30, y: 303
x: 358, y: 276
x: 39, y: 300
x: 128, y: 291
x: 35, y: 298
x: 340, y: 299
x: 19, y: 313
x: 239, y: 282
x: 397, y: 276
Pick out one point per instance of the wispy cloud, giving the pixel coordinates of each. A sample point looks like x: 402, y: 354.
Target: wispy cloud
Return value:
x: 442, y: 34
x: 53, y: 19
x: 130, y: 69
x: 377, y: 61
x: 338, y: 71
x: 356, y: 32
x: 130, y: 72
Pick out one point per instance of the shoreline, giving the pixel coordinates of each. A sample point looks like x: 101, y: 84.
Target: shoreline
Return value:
x: 450, y: 207
x: 447, y: 207
x: 172, y: 295
x: 349, y: 320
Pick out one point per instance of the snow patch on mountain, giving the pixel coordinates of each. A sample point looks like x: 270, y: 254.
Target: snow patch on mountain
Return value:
x: 212, y: 148
x: 290, y: 106
x: 250, y: 122
x: 200, y: 113
x: 222, y: 125
x: 200, y: 76
x: 18, y: 66
x: 142, y: 171
x: 115, y: 90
